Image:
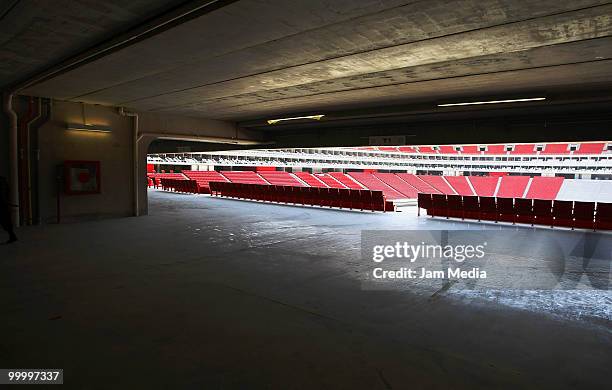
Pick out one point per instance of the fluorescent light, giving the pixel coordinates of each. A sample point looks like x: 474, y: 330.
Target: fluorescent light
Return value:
x: 275, y: 121
x: 492, y: 102
x: 91, y: 128
x: 209, y: 139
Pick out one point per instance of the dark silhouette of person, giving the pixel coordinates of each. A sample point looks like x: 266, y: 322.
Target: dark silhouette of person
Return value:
x: 5, y: 210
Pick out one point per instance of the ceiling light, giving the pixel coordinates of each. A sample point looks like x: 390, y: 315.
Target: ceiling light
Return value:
x: 209, y: 139
x: 315, y: 117
x: 91, y: 128
x: 492, y: 102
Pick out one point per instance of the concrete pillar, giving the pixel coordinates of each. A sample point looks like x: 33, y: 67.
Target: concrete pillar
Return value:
x: 143, y: 199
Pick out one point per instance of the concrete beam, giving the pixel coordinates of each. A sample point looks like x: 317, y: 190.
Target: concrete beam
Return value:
x: 156, y: 125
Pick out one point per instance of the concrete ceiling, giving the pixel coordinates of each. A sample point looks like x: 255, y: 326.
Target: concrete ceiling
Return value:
x: 268, y: 58
x: 35, y: 34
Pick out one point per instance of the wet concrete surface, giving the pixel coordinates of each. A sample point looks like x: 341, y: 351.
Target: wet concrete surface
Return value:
x: 217, y: 293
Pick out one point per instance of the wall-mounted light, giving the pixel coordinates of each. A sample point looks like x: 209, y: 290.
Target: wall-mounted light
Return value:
x: 315, y: 117
x: 492, y: 102
x: 91, y: 128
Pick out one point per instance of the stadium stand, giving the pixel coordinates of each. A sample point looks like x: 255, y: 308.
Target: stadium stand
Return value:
x: 502, y: 149
x: 373, y: 183
x: 555, y: 149
x: 460, y: 185
x: 523, y: 149
x: 512, y: 186
x: 416, y: 182
x: 346, y: 180
x: 330, y: 181
x: 280, y: 178
x: 438, y: 183
x: 427, y: 149
x: 404, y: 185
x: 398, y: 184
x: 311, y: 179
x: 484, y: 185
x: 246, y: 177
x: 496, y: 149
x: 470, y: 149
x: 448, y: 149
x: 590, y: 148
x: 205, y: 177
x: 388, y: 148
x: 544, y: 187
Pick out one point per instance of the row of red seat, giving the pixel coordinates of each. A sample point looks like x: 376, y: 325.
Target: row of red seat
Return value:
x: 315, y: 196
x: 179, y: 185
x: 153, y: 178
x: 587, y: 215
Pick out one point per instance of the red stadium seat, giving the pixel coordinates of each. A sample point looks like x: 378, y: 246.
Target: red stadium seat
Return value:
x: 524, y: 149
x: 438, y: 183
x: 496, y: 149
x: 470, y: 149
x: 544, y: 187
x: 524, y: 210
x: 455, y: 206
x: 419, y: 184
x: 310, y: 179
x: 563, y: 213
x: 427, y: 149
x: 378, y: 201
x: 395, y: 181
x: 591, y: 148
x: 512, y: 186
x: 542, y: 210
x: 423, y: 202
x: 603, y: 216
x: 369, y: 181
x: 487, y: 209
x: 555, y: 149
x: 347, y: 181
x: 484, y: 185
x: 471, y: 207
x: 329, y: 180
x: 584, y: 215
x: 448, y: 149
x: 439, y: 205
x: 505, y: 210
x: 460, y: 185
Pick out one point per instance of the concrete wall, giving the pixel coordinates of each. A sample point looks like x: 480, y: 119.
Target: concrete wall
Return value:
x: 113, y: 150
x: 4, y: 146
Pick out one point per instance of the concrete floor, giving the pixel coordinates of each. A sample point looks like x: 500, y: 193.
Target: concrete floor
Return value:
x: 216, y: 293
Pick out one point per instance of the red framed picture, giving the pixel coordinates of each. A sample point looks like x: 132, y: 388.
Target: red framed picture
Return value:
x: 81, y: 177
